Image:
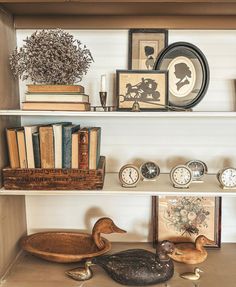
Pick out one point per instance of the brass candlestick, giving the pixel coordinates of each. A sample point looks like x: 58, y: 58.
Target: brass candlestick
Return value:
x: 103, y: 99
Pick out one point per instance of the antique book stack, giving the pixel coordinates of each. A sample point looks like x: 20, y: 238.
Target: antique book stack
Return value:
x: 56, y: 156
x: 56, y: 98
x: 58, y: 145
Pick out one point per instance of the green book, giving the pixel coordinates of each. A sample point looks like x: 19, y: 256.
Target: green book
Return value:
x: 67, y: 132
x: 36, y: 149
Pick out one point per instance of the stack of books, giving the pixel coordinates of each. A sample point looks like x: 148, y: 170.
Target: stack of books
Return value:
x: 58, y: 145
x: 56, y: 98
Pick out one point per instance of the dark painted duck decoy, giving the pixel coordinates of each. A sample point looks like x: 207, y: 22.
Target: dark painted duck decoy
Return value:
x: 191, y: 253
x: 138, y: 266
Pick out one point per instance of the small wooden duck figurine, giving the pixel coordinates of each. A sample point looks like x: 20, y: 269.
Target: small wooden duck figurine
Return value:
x: 192, y: 276
x: 191, y: 253
x: 81, y: 273
x: 104, y: 225
x: 138, y: 266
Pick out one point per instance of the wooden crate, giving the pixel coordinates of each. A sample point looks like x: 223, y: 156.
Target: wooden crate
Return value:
x: 55, y: 179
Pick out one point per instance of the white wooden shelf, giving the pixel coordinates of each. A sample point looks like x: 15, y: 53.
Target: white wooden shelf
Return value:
x: 120, y: 114
x: 163, y: 186
x: 30, y: 271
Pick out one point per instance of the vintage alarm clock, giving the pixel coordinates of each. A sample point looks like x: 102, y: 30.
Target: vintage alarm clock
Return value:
x: 181, y: 176
x: 227, y: 178
x: 198, y: 168
x: 129, y: 175
x: 149, y: 171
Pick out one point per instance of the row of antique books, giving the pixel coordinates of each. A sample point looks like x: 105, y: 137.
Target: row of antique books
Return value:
x: 57, y: 145
x: 56, y: 98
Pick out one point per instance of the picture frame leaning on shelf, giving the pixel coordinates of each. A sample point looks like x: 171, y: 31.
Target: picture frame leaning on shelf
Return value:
x: 183, y: 218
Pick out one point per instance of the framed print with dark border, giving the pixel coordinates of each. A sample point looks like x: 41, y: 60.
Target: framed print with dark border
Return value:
x: 188, y: 74
x: 144, y: 47
x: 147, y: 89
x: 183, y: 218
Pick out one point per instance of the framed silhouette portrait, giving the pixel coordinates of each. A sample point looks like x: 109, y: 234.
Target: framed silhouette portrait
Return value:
x: 145, y: 45
x: 147, y: 89
x: 188, y: 74
x: 184, y: 218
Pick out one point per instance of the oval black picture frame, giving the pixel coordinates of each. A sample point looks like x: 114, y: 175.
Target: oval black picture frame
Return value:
x: 185, y: 47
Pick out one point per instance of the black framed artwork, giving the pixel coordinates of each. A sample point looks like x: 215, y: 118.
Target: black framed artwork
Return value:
x: 188, y: 73
x: 147, y: 88
x: 144, y: 47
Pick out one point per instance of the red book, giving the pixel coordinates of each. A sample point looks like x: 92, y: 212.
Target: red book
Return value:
x: 84, y: 148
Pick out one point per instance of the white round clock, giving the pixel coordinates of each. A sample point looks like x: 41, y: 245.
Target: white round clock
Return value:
x: 129, y: 175
x: 227, y: 177
x: 181, y: 176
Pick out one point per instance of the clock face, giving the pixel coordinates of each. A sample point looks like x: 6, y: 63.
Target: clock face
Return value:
x: 181, y: 176
x: 150, y: 170
x: 227, y: 177
x: 197, y: 167
x: 129, y: 175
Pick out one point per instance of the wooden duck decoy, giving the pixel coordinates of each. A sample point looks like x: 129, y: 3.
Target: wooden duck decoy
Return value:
x: 81, y: 273
x: 104, y: 225
x: 191, y: 253
x: 192, y: 276
x: 138, y: 266
x: 65, y: 247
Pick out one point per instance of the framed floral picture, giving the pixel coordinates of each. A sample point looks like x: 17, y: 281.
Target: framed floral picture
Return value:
x: 148, y: 89
x: 145, y: 46
x: 183, y: 218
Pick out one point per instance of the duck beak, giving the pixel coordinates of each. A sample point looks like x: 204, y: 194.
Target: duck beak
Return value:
x: 200, y: 270
x: 116, y: 229
x: 209, y: 242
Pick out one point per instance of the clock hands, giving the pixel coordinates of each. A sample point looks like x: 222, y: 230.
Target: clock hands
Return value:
x: 130, y: 175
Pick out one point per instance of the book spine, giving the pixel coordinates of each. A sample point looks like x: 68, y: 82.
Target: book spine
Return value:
x: 55, y: 106
x: 55, y: 88
x: 22, y: 148
x: 84, y: 149
x: 98, y: 146
x: 75, y: 150
x: 13, y: 149
x: 46, y: 147
x: 66, y: 147
x: 36, y: 147
x: 57, y: 132
x: 67, y: 144
x: 29, y: 145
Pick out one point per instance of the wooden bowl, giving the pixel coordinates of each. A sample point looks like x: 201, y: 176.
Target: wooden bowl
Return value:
x: 63, y: 247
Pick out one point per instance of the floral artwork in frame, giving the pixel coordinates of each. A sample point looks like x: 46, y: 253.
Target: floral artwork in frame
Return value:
x: 183, y: 218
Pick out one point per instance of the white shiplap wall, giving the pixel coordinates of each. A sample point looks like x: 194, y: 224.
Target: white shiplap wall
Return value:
x: 168, y: 141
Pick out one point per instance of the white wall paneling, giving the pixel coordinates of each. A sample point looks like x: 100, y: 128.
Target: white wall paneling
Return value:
x: 167, y: 140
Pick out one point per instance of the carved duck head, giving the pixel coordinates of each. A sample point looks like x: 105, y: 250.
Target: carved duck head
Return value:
x: 164, y: 248
x: 202, y: 240
x: 104, y: 225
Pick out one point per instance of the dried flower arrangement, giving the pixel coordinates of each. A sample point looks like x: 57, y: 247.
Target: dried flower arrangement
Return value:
x: 51, y: 57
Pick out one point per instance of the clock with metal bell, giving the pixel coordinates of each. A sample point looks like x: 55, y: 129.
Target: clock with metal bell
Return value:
x: 198, y: 168
x: 149, y: 171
